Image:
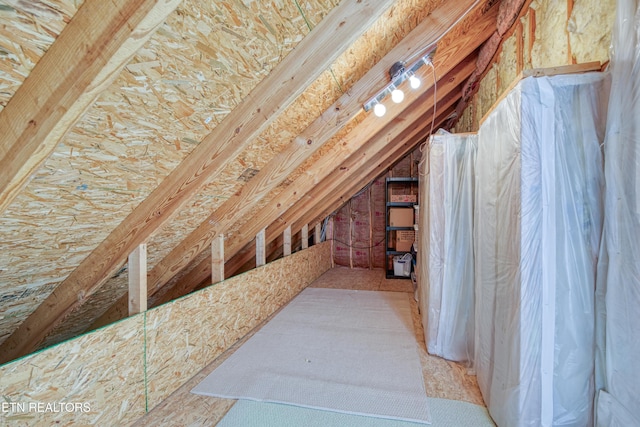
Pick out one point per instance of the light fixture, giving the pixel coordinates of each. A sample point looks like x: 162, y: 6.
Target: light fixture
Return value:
x: 414, y: 82
x: 398, y: 73
x: 397, y: 95
x: 379, y: 110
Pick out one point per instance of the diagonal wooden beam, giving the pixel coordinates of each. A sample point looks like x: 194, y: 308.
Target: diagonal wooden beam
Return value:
x: 303, y: 146
x: 337, y: 31
x: 85, y: 58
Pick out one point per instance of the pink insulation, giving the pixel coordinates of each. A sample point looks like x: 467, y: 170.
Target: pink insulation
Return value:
x: 341, y: 231
x: 360, y: 230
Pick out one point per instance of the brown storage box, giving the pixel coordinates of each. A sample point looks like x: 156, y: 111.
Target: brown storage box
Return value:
x: 409, y: 235
x: 410, y: 198
x: 401, y: 217
x: 403, y: 245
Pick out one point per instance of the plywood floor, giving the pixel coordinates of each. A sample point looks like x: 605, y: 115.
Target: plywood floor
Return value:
x: 443, y: 379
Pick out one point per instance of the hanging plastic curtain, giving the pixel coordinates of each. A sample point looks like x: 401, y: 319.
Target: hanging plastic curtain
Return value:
x: 447, y: 294
x: 618, y: 293
x: 538, y: 226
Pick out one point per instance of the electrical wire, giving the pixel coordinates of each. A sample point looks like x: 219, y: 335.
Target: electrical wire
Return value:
x: 378, y: 244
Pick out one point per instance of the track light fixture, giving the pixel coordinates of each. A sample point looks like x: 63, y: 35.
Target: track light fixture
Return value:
x: 398, y: 73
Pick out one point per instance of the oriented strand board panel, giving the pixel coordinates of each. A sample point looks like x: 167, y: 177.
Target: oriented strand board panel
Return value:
x: 201, y: 63
x: 184, y: 336
x: 27, y: 29
x: 124, y: 369
x: 104, y: 370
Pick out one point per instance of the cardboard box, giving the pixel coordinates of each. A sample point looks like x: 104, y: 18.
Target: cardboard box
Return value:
x: 405, y: 198
x: 401, y: 217
x: 404, y: 245
x: 406, y: 235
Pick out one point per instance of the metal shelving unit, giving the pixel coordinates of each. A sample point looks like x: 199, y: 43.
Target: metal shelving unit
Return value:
x: 390, y: 252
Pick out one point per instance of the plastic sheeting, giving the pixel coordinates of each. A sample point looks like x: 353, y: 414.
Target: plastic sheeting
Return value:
x: 447, y: 287
x: 538, y: 226
x: 619, y: 281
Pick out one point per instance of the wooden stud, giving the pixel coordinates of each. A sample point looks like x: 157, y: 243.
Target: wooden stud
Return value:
x: 305, y: 236
x: 217, y: 259
x: 315, y: 53
x: 519, y: 47
x: 261, y: 252
x: 532, y: 33
x: 570, y: 57
x: 286, y: 246
x: 318, y: 234
x: 137, y: 269
x: 85, y: 58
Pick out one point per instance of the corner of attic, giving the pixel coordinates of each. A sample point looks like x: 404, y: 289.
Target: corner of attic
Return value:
x: 216, y: 164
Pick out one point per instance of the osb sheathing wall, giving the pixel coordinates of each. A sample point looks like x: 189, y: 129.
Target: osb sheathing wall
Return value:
x: 549, y: 33
x: 127, y: 368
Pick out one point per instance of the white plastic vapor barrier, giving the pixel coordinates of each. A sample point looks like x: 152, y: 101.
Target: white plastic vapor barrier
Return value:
x: 447, y: 286
x: 538, y: 225
x: 619, y: 281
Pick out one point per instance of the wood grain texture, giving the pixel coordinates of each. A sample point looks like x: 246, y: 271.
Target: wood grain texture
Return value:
x: 137, y: 272
x: 81, y: 63
x: 276, y: 91
x: 217, y: 259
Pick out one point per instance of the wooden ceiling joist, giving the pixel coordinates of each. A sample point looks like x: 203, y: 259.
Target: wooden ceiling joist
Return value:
x: 85, y: 58
x: 338, y: 30
x: 302, y: 147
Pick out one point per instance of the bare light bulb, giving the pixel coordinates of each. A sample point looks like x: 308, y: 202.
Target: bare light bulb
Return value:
x: 397, y: 96
x: 414, y: 82
x: 379, y: 110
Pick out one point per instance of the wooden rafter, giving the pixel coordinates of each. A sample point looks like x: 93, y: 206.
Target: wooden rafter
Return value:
x: 338, y: 30
x: 85, y: 58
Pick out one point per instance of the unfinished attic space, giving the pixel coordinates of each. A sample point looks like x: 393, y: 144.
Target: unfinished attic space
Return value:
x: 385, y: 213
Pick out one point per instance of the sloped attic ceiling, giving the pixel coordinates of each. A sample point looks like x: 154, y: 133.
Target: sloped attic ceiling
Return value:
x: 169, y: 122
